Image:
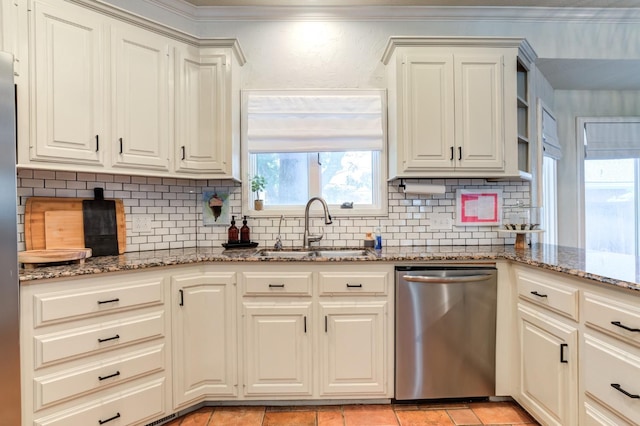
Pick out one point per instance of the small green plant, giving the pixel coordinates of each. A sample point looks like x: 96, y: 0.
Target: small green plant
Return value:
x: 258, y: 183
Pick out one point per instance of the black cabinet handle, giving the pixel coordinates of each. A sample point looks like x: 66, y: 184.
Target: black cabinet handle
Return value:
x: 117, y: 373
x: 451, y: 158
x: 618, y: 324
x: 562, y: 348
x: 354, y: 285
x: 117, y: 336
x: 459, y: 153
x: 102, y: 302
x: 305, y: 323
x: 535, y: 293
x: 117, y: 416
x: 326, y: 324
x: 617, y: 387
x: 97, y: 143
x: 276, y: 285
x: 120, y: 145
x: 184, y: 155
x: 181, y: 297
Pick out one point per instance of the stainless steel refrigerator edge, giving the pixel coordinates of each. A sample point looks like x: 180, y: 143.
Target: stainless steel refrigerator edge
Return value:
x: 9, y: 286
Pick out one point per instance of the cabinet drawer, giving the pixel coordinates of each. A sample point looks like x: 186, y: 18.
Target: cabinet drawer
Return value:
x: 353, y: 283
x: 94, y: 376
x: 277, y: 283
x: 606, y: 365
x: 54, y: 347
x: 128, y: 407
x: 614, y: 318
x: 548, y: 292
x: 87, y: 301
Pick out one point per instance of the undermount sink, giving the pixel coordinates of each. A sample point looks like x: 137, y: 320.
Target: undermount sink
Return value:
x: 288, y: 254
x: 320, y: 252
x: 343, y: 253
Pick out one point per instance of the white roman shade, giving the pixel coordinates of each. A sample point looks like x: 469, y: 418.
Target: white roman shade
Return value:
x: 612, y: 139
x: 550, y: 142
x: 314, y: 121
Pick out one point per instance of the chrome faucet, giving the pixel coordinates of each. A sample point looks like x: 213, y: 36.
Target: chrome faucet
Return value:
x: 278, y: 244
x: 308, y: 238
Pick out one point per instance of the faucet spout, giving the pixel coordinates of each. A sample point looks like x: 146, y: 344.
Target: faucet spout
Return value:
x: 309, y: 238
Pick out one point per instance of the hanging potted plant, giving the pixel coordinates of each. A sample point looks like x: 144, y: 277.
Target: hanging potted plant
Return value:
x: 258, y: 183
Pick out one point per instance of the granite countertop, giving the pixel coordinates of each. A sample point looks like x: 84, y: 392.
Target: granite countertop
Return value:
x: 606, y: 268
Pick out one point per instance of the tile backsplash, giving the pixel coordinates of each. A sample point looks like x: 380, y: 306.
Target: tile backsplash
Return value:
x: 175, y: 208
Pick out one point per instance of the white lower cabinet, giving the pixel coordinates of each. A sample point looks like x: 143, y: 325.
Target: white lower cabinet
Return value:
x: 204, y: 337
x: 548, y: 367
x: 317, y: 332
x: 277, y: 348
x: 95, y: 350
x: 352, y: 348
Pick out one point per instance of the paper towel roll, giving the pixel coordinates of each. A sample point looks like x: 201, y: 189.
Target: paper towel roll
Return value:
x: 423, y: 188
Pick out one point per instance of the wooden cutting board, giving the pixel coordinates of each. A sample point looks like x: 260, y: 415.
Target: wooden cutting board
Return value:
x: 61, y: 229
x: 68, y: 212
x: 31, y: 258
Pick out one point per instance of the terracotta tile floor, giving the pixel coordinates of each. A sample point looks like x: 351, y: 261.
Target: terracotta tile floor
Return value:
x: 473, y: 413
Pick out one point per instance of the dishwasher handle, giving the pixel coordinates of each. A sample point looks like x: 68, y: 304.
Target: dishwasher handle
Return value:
x: 443, y: 280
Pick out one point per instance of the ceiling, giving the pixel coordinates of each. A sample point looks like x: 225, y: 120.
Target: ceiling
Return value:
x: 509, y: 3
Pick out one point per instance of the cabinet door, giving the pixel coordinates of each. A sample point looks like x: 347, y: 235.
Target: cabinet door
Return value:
x: 200, y: 113
x: 204, y: 336
x: 67, y: 42
x: 428, y: 112
x: 548, y: 367
x: 140, y: 108
x: 277, y: 346
x: 352, y: 348
x: 479, y: 111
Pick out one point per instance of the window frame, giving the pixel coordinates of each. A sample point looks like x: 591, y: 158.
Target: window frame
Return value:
x: 379, y: 171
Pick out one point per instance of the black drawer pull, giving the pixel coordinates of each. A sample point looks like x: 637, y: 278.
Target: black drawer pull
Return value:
x: 354, y: 285
x: 117, y: 416
x: 451, y: 158
x: 619, y: 389
x: 181, y: 297
x: 120, y: 145
x: 276, y: 285
x: 562, y: 347
x: 102, y: 302
x: 618, y: 324
x: 97, y: 143
x: 117, y: 373
x: 184, y: 154
x: 459, y: 153
x: 535, y: 293
x: 305, y: 323
x: 117, y: 336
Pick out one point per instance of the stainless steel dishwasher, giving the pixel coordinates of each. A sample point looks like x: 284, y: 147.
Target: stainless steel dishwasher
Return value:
x: 445, y: 332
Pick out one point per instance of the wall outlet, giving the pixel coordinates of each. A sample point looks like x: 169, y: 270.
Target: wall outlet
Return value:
x: 142, y: 223
x: 440, y: 222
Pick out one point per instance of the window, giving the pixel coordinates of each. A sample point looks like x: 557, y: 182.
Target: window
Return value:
x: 552, y: 152
x: 612, y: 185
x: 316, y: 143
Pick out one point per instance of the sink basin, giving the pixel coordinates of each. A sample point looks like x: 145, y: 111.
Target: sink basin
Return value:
x: 326, y: 253
x: 343, y: 253
x: 287, y: 254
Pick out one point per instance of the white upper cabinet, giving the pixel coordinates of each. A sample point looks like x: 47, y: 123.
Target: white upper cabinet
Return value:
x: 140, y: 64
x: 452, y: 106
x: 112, y: 96
x: 69, y: 91
x: 204, y: 113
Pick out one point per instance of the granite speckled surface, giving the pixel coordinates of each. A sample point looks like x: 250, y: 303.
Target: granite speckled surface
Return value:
x: 606, y: 268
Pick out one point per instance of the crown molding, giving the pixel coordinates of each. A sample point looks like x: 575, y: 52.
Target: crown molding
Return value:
x: 203, y: 14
